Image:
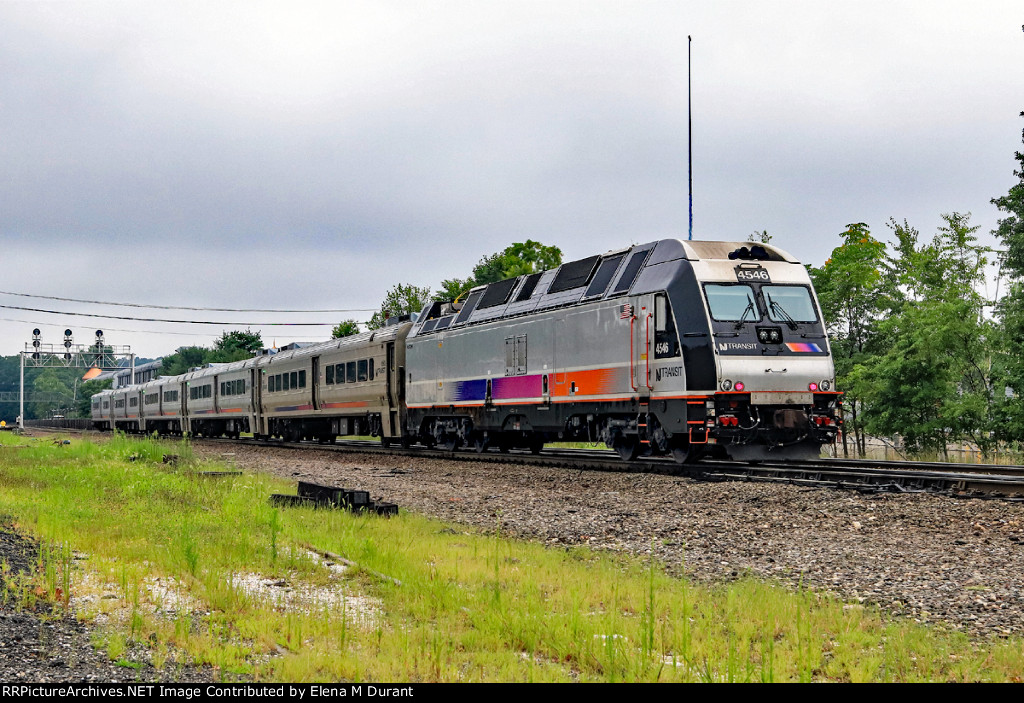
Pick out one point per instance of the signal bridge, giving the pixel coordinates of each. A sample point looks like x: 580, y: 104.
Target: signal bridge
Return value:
x: 99, y: 355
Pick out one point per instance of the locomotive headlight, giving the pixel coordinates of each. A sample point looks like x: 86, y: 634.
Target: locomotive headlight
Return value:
x: 727, y: 385
x: 812, y: 386
x: 739, y: 385
x: 825, y: 385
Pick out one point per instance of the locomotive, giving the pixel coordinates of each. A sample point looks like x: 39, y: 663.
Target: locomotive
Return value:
x: 688, y: 349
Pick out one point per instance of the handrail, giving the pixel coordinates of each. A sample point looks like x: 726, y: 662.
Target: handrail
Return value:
x: 647, y: 356
x: 632, y: 373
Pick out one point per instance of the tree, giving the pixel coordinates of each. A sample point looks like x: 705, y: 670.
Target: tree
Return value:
x: 183, y: 359
x: 763, y: 237
x: 49, y: 382
x: 852, y: 290
x: 930, y: 381
x: 454, y: 288
x: 345, y: 328
x: 402, y: 299
x: 1010, y: 231
x: 230, y: 346
x: 83, y: 406
x: 237, y: 345
x: 517, y: 259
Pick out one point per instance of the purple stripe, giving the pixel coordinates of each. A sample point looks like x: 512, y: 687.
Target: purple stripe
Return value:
x: 509, y: 387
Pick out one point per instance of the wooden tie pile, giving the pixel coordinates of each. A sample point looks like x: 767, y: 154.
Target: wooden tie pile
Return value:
x: 317, y: 496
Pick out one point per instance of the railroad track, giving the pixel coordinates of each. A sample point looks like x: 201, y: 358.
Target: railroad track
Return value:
x: 960, y: 480
x: 987, y: 481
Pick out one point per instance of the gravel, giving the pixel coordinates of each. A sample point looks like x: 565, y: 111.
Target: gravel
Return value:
x: 44, y: 646
x: 927, y: 557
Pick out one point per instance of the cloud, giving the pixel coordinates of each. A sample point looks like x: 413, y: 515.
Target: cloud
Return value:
x: 213, y: 152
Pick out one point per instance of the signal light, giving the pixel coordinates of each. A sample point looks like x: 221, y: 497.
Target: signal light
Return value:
x: 739, y: 385
x: 812, y: 386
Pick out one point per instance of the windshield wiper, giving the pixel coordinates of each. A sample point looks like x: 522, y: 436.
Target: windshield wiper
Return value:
x: 781, y: 312
x: 743, y: 317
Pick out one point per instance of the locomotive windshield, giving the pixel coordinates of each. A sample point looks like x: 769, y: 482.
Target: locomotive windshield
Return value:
x: 789, y: 303
x: 732, y: 303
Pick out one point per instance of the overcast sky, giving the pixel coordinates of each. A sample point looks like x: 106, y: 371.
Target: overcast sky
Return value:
x: 309, y: 155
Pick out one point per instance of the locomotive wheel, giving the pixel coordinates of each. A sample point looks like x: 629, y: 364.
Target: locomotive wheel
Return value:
x: 481, y: 444
x: 628, y: 449
x: 683, y: 455
x: 536, y: 445
x: 385, y: 442
x: 450, y: 444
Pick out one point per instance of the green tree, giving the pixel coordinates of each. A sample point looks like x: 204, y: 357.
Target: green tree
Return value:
x: 853, y: 292
x: 48, y: 382
x: 236, y: 345
x: 345, y: 328
x: 932, y: 383
x: 517, y: 259
x: 182, y: 360
x: 1010, y: 231
x: 454, y: 288
x: 402, y: 299
x: 83, y: 405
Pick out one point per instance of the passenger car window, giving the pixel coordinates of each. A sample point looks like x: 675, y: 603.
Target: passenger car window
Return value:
x: 350, y: 371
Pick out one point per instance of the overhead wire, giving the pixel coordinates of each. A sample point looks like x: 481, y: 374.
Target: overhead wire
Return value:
x: 158, y: 332
x: 179, y: 307
x: 157, y: 319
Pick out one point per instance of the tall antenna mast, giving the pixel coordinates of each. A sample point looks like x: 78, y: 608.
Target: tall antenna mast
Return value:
x: 689, y: 120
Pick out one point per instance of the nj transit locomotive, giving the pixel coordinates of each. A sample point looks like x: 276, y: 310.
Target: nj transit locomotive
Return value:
x: 681, y: 348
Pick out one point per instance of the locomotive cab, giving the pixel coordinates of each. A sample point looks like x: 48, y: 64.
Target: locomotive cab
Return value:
x: 774, y: 373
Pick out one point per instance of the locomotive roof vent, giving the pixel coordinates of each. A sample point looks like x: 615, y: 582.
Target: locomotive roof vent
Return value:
x: 754, y: 253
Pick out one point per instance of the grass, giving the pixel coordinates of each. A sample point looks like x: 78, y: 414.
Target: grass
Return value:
x: 170, y: 558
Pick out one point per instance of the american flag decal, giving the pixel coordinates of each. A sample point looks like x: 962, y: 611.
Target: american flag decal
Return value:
x: 625, y: 311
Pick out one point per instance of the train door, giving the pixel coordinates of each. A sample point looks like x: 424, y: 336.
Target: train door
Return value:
x: 255, y: 398
x: 315, y: 383
x: 642, y: 338
x: 183, y: 407
x: 390, y: 418
x: 559, y: 357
